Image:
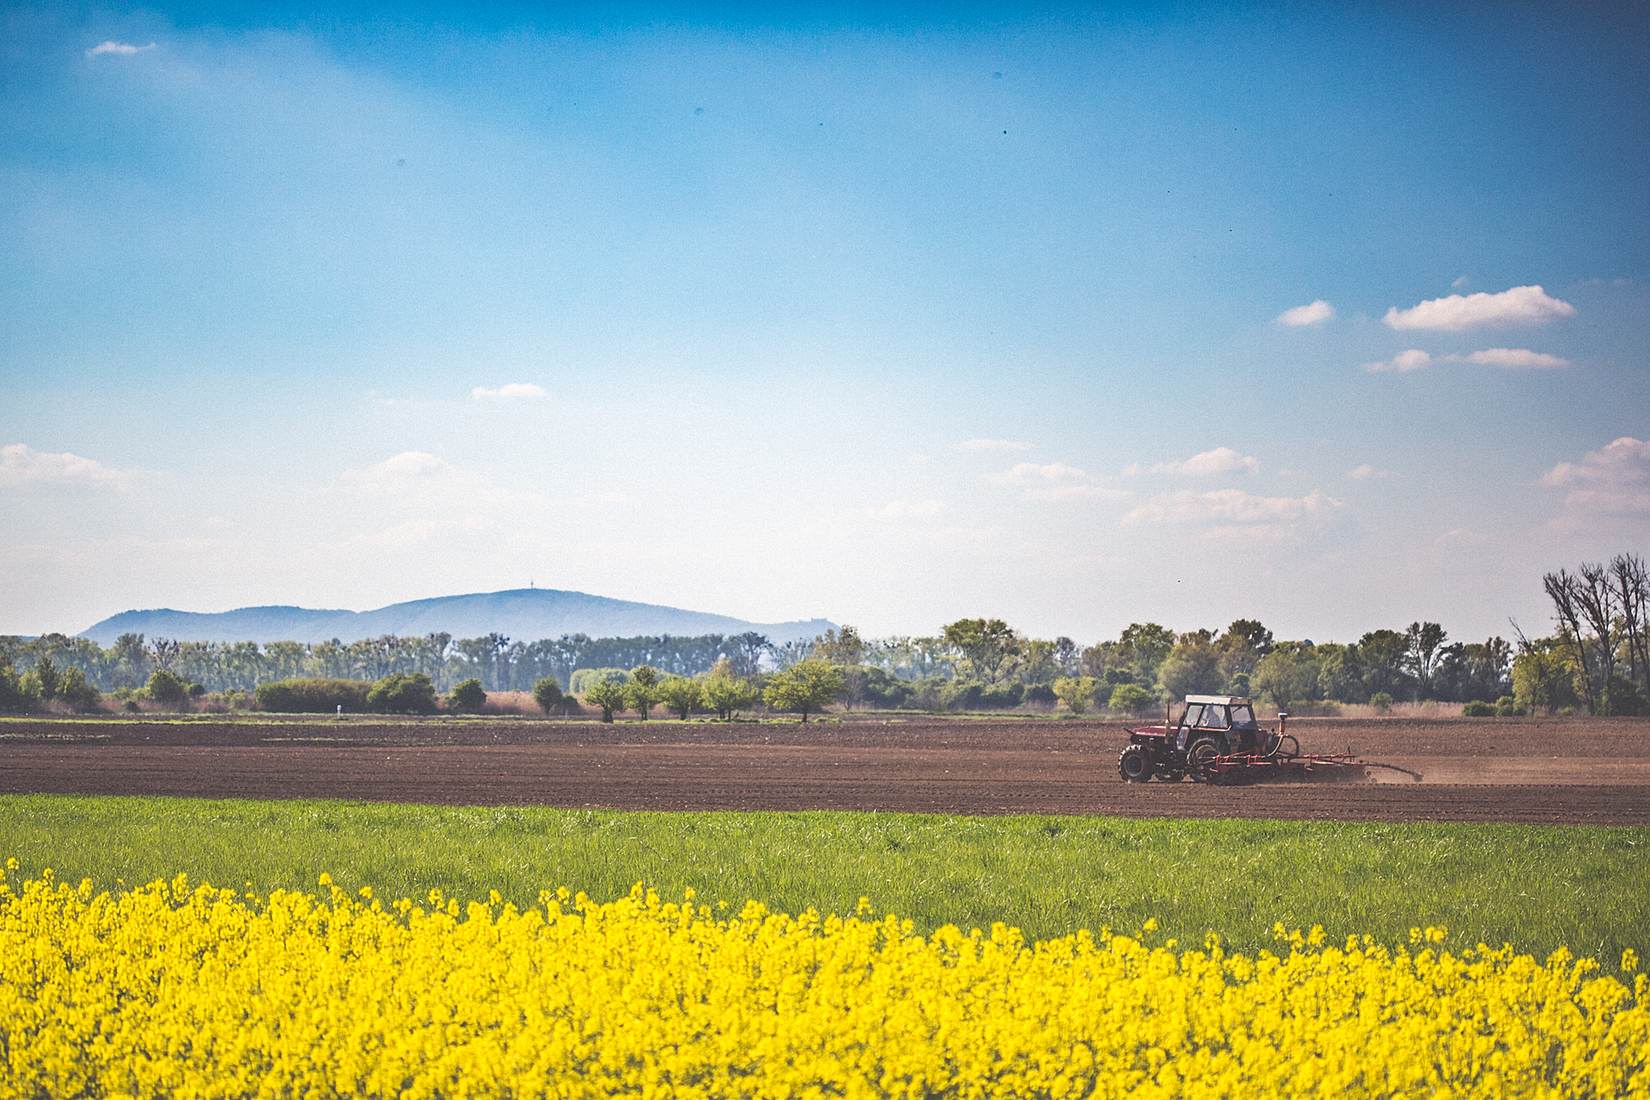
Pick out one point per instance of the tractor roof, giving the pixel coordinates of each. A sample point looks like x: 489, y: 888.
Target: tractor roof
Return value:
x: 1221, y: 700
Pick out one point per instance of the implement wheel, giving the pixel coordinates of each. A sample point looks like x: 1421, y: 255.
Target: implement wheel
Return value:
x: 1199, y: 754
x: 1134, y: 764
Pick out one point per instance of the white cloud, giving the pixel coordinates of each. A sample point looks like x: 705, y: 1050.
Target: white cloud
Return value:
x: 994, y: 445
x: 906, y: 509
x: 1031, y: 473
x: 1077, y: 492
x: 399, y: 469
x: 23, y: 467
x: 1402, y: 363
x: 119, y: 49
x: 1220, y: 460
x: 1613, y: 480
x: 1522, y: 305
x: 1513, y: 358
x: 1230, y: 507
x: 510, y: 391
x: 1460, y: 282
x: 1313, y: 313
x: 1365, y: 472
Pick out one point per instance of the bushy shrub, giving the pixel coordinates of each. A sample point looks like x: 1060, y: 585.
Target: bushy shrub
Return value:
x: 547, y: 694
x: 1507, y: 707
x: 12, y: 695
x: 961, y: 694
x: 312, y: 696
x: 878, y: 689
x: 77, y: 692
x: 467, y: 695
x: 1131, y: 699
x: 1382, y: 702
x: 1040, y: 694
x: 1002, y: 696
x: 1478, y: 709
x: 166, y: 688
x: 402, y: 693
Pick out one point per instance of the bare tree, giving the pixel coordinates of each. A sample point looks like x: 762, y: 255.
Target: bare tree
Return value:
x: 1597, y: 599
x: 1632, y: 588
x: 1563, y: 588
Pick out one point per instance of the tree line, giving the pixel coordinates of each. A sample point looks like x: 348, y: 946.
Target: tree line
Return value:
x: 1595, y: 661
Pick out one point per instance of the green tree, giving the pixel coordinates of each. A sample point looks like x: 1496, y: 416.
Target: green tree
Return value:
x: 840, y: 647
x: 414, y: 693
x: 75, y: 690
x: 1192, y: 666
x: 609, y: 694
x: 547, y: 694
x: 681, y: 695
x: 725, y: 693
x: 806, y: 687
x: 1144, y: 646
x: 643, y: 690
x: 987, y: 646
x: 1383, y: 655
x: 1285, y: 675
x: 164, y: 687
x: 1076, y: 692
x: 1423, y: 649
x: 467, y: 695
x: 12, y: 695
x: 47, y: 678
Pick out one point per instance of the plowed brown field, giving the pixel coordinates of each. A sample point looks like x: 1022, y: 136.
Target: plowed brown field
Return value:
x: 1533, y: 770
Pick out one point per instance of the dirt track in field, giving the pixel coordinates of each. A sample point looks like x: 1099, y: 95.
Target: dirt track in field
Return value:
x: 1522, y: 770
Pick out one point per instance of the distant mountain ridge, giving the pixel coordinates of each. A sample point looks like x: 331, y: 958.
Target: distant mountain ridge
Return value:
x: 525, y: 614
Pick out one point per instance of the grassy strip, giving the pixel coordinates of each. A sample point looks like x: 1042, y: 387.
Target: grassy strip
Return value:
x: 1537, y: 887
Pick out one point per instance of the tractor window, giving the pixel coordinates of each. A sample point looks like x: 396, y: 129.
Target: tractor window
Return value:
x: 1214, y: 718
x: 1243, y: 717
x: 1194, y: 715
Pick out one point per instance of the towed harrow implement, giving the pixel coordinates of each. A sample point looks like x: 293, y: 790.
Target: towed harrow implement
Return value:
x: 1217, y: 740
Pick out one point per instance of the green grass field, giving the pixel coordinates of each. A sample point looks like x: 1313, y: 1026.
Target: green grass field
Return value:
x: 1536, y: 887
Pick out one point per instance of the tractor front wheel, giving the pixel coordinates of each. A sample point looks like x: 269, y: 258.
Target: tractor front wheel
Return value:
x: 1134, y: 764
x: 1199, y: 755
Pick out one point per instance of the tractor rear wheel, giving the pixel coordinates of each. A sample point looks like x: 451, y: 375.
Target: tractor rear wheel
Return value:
x: 1199, y: 755
x: 1134, y: 764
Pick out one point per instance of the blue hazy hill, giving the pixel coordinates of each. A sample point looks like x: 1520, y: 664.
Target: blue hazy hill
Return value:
x: 522, y: 613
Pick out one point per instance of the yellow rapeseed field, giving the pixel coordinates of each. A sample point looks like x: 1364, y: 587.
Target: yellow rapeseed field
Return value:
x: 188, y: 990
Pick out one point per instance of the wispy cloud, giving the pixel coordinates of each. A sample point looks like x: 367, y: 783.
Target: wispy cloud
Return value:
x: 1402, y: 363
x: 1611, y: 481
x: 1220, y: 460
x: 1506, y: 358
x: 906, y: 509
x: 1522, y: 305
x: 510, y: 391
x: 1365, y: 472
x: 23, y: 467
x: 1313, y: 313
x: 1513, y: 359
x: 994, y: 445
x: 1229, y: 506
x: 399, y: 469
x: 1032, y: 473
x: 1078, y: 491
x: 117, y: 49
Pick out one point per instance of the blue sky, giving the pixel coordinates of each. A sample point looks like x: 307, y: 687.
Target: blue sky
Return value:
x: 875, y: 314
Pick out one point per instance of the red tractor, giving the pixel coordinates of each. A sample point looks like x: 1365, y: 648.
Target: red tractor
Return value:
x: 1217, y: 740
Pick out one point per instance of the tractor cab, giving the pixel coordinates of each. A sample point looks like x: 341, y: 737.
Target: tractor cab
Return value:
x: 1229, y: 719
